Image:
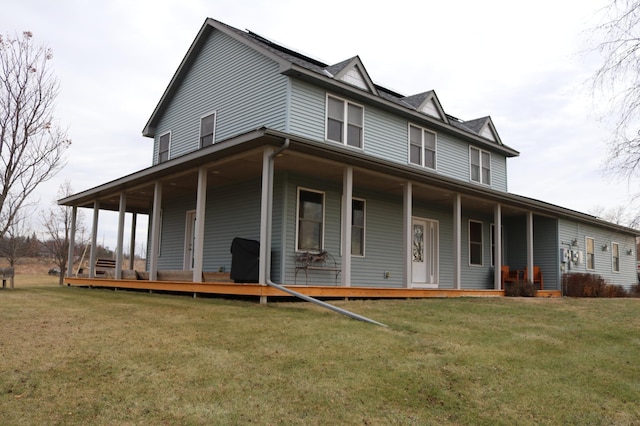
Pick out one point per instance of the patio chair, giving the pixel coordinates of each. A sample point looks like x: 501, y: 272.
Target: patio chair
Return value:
x: 507, y: 276
x: 537, y: 276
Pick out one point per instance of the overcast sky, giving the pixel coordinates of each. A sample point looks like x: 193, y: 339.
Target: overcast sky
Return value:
x: 519, y: 62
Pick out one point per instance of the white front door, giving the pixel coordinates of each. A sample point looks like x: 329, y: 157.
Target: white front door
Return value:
x: 189, y: 240
x: 424, y: 270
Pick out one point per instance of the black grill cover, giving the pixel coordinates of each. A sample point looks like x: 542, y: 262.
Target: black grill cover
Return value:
x: 245, y: 260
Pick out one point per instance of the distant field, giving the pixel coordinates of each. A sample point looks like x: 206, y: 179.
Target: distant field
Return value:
x: 88, y: 356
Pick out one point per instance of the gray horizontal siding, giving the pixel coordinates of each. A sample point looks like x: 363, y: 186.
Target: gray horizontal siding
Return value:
x: 569, y: 230
x: 244, y: 87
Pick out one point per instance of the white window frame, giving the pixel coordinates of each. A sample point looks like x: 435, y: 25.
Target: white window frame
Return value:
x: 475, y: 242
x: 481, y: 166
x: 364, y: 226
x: 168, y: 151
x: 615, y: 268
x: 213, y: 133
x: 422, y: 147
x: 300, y: 189
x: 345, y: 122
x: 593, y: 254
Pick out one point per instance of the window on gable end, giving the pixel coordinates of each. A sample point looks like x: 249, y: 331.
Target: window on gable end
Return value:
x: 480, y: 165
x: 345, y: 122
x: 422, y: 147
x: 163, y: 147
x: 207, y: 130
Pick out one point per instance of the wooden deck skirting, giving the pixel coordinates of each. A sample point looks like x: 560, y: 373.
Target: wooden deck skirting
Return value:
x: 233, y: 289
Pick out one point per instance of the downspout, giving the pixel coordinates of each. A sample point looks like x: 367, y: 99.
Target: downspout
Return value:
x: 270, y: 283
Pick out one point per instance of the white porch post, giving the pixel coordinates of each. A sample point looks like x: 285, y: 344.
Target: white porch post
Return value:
x: 457, y: 237
x: 155, y: 232
x: 132, y: 244
x: 119, y: 251
x: 201, y: 204
x: 94, y: 237
x: 72, y: 241
x: 265, y: 217
x: 529, y: 276
x: 347, y: 220
x: 407, y: 215
x: 497, y: 246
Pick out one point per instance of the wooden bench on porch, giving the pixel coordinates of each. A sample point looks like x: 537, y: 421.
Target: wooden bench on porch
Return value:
x: 105, y: 267
x: 323, y: 261
x: 7, y: 274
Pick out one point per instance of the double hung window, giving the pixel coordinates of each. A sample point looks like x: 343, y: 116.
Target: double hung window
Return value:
x: 480, y: 166
x: 310, y: 220
x: 591, y: 253
x: 615, y: 257
x: 207, y: 130
x: 357, y: 227
x: 345, y: 122
x: 475, y: 243
x: 422, y: 147
x: 163, y: 147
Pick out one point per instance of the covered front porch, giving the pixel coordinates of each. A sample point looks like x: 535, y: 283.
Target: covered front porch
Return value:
x: 192, y: 183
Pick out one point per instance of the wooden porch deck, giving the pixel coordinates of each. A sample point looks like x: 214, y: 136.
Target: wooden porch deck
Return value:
x: 239, y: 289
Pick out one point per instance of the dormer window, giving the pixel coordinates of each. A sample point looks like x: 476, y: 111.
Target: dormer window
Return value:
x: 480, y: 162
x: 422, y: 147
x: 345, y: 122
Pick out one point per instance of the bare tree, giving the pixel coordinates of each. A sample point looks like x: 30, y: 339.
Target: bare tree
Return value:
x: 16, y: 243
x: 57, y: 225
x: 31, y: 143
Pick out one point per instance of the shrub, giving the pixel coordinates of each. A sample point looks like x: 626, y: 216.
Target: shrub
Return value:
x: 590, y: 285
x: 520, y: 289
x: 634, y: 291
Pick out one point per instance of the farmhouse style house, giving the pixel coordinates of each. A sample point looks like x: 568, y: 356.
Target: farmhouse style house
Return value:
x: 327, y: 179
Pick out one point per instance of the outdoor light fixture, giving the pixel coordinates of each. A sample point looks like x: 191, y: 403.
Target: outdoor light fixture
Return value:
x: 605, y: 247
x: 574, y: 242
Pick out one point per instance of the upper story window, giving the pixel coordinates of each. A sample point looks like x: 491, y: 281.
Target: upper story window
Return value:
x: 310, y: 220
x: 345, y: 122
x: 357, y: 227
x: 615, y: 257
x: 591, y: 253
x: 422, y: 147
x: 207, y: 130
x: 480, y: 165
x: 163, y: 147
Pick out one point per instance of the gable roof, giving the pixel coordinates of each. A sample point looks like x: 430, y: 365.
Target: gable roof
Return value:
x: 483, y: 127
x: 428, y: 103
x: 349, y: 76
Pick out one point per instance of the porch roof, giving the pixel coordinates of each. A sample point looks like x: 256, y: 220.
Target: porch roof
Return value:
x: 240, y: 157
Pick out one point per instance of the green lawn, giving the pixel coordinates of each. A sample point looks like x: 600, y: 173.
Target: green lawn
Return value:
x: 81, y: 356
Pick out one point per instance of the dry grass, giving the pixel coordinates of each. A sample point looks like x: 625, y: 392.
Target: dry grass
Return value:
x: 80, y: 356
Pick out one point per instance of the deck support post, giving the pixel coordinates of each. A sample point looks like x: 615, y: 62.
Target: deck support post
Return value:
x: 529, y: 276
x: 201, y: 205
x: 72, y: 241
x: 119, y: 251
x: 497, y: 246
x: 457, y: 237
x: 347, y: 220
x: 155, y: 231
x: 132, y: 244
x: 94, y: 237
x: 407, y: 215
